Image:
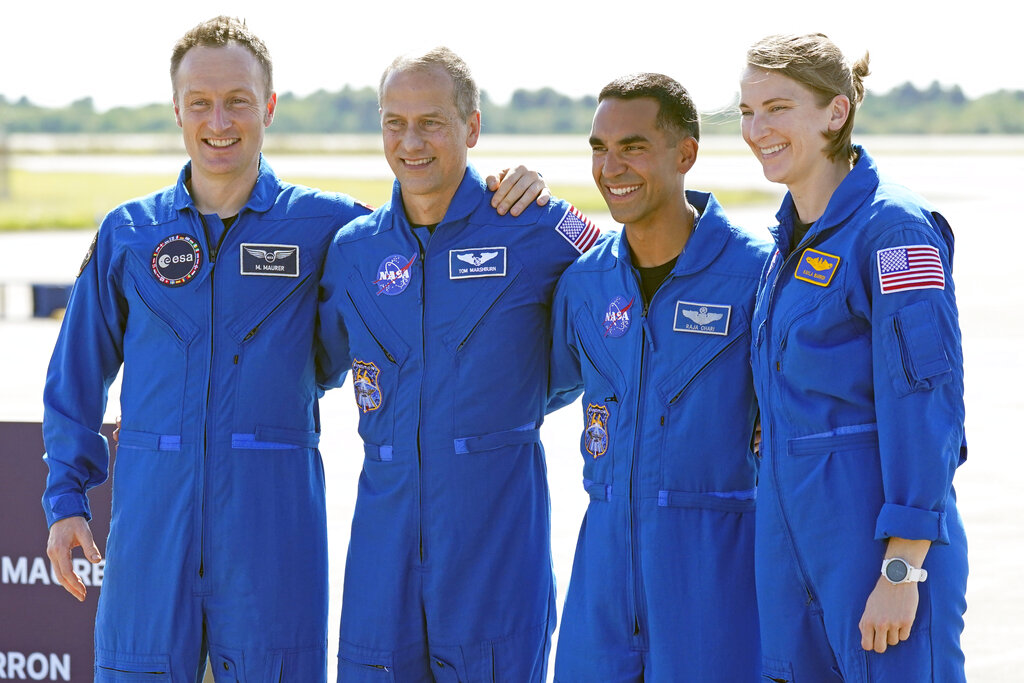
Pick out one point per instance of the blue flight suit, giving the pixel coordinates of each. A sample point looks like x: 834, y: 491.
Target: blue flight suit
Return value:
x: 218, y: 536
x: 859, y: 373
x: 662, y: 583
x: 448, y: 575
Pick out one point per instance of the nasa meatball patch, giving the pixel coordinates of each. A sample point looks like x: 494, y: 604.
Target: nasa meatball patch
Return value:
x: 617, y: 317
x: 176, y: 260
x: 277, y: 260
x: 393, y: 274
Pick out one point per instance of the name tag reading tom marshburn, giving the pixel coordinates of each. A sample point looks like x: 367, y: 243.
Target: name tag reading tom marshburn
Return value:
x: 278, y: 260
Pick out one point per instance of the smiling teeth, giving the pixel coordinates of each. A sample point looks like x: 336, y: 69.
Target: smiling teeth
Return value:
x: 620, y: 191
x: 773, y: 150
x: 419, y: 162
x: 221, y: 143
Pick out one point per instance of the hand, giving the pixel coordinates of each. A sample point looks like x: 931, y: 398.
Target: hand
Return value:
x: 516, y: 189
x: 888, y: 615
x: 65, y: 535
x: 117, y: 428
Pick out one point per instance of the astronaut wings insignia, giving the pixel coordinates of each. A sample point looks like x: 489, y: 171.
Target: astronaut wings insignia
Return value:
x: 819, y: 263
x: 702, y: 316
x: 477, y: 259
x: 270, y: 256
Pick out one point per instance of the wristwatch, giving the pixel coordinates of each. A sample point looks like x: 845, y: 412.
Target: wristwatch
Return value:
x: 896, y: 570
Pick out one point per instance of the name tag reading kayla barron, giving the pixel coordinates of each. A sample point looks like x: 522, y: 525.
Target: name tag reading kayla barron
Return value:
x: 481, y: 262
x: 816, y: 267
x: 279, y: 260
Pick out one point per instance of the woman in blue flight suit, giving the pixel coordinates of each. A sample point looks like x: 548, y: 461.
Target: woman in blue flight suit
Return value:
x: 859, y: 375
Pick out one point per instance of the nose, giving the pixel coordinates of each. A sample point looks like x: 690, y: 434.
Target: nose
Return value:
x: 411, y: 139
x: 612, y: 165
x: 219, y: 119
x: 754, y: 126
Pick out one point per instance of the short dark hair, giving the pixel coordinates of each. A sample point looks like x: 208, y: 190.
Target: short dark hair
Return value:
x: 467, y: 94
x: 218, y: 32
x: 676, y: 111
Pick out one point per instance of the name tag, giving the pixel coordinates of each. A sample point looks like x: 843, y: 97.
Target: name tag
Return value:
x: 279, y: 260
x: 702, y: 318
x: 482, y: 262
x: 816, y: 267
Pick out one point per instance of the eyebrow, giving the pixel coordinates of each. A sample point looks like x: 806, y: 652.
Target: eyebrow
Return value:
x: 770, y: 100
x: 628, y: 140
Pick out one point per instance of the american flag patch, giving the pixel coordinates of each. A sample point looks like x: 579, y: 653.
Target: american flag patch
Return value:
x: 577, y: 229
x: 915, y: 266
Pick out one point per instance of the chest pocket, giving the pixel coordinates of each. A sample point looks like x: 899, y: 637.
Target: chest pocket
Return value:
x: 157, y: 363
x: 605, y: 389
x: 498, y: 344
x: 378, y: 356
x: 707, y: 412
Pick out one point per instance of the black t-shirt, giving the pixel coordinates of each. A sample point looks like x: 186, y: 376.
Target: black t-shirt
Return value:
x: 651, y: 279
x: 799, y: 231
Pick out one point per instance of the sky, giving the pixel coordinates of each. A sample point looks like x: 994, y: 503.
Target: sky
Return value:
x: 117, y: 51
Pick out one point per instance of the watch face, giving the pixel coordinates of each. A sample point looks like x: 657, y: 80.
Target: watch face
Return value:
x: 896, y: 571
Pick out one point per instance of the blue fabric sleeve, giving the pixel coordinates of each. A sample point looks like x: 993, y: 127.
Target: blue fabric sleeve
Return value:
x: 85, y: 361
x: 918, y: 382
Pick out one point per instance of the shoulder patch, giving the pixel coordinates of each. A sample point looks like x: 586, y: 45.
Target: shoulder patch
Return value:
x: 88, y: 254
x: 577, y: 229
x: 913, y: 266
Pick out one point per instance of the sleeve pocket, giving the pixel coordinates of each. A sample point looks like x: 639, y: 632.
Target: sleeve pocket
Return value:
x: 917, y: 360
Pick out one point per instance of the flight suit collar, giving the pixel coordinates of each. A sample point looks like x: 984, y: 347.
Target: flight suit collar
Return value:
x: 467, y: 198
x: 857, y: 187
x: 705, y: 243
x: 261, y: 199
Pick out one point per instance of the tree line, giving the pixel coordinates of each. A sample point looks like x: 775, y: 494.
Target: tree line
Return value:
x: 906, y: 109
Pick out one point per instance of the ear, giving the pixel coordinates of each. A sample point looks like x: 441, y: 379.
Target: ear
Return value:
x: 473, y: 123
x: 268, y: 118
x: 687, y: 148
x: 839, y: 111
x: 177, y: 112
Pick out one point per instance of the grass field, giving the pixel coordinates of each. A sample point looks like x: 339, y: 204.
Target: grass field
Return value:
x: 58, y: 200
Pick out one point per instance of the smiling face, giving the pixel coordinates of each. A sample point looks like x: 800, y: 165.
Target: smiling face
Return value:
x: 426, y: 141
x: 221, y: 105
x: 784, y: 125
x: 638, y: 166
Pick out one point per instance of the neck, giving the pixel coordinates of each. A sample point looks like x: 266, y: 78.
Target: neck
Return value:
x: 658, y: 241
x: 427, y: 209
x: 222, y: 196
x: 811, y: 196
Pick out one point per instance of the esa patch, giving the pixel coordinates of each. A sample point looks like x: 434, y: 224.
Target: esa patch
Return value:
x: 482, y: 262
x: 365, y: 382
x: 176, y: 260
x: 277, y: 260
x: 914, y: 266
x: 702, y: 318
x: 393, y: 274
x: 617, y: 316
x: 816, y: 267
x: 595, y: 437
x: 577, y: 229
x: 89, y: 253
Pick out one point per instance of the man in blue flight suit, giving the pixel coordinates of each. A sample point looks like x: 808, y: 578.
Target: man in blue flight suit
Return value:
x: 441, y: 310
x: 655, y: 322
x: 206, y: 292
